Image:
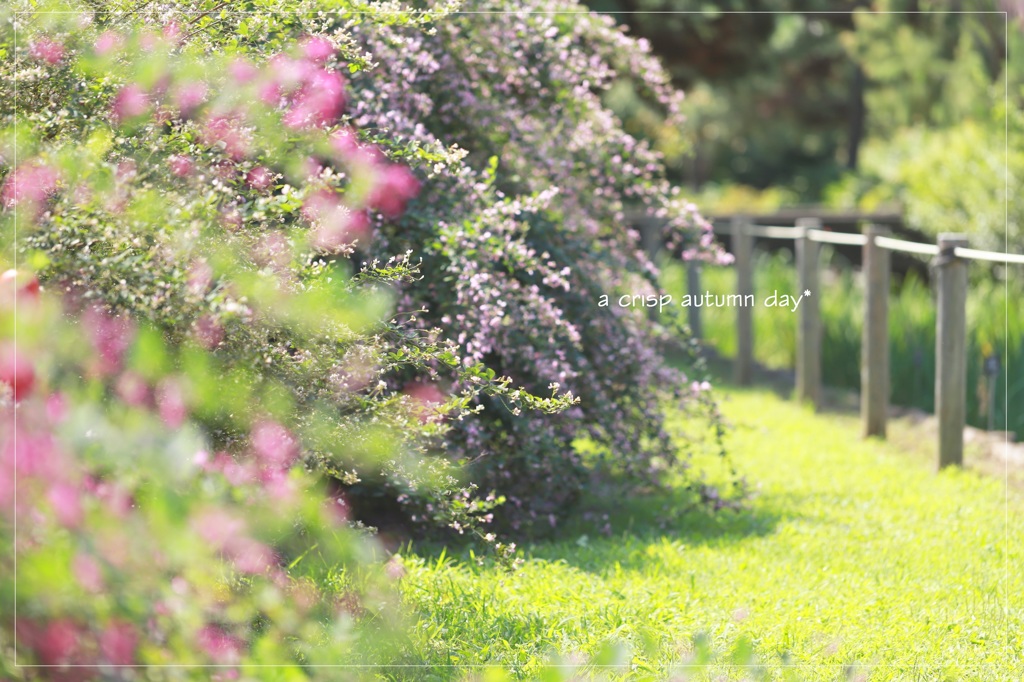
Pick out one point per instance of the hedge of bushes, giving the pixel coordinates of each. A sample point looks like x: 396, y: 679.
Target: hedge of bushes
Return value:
x: 269, y: 267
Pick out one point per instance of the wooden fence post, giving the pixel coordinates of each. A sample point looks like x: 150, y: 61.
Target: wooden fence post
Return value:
x: 808, y: 338
x: 650, y: 242
x: 874, y: 355
x: 951, y: 350
x: 742, y: 249
x: 693, y: 288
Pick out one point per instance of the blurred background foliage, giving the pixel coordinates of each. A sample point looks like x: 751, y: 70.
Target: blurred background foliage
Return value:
x: 855, y: 104
x: 868, y: 106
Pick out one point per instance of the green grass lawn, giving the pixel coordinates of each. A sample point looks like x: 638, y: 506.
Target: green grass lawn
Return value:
x: 853, y: 560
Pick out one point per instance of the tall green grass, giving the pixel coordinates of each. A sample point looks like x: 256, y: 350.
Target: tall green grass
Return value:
x: 992, y: 325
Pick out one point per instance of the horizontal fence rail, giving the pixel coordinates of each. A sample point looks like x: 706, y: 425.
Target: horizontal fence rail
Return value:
x: 907, y: 247
x: 974, y: 254
x: 950, y: 261
x: 837, y: 238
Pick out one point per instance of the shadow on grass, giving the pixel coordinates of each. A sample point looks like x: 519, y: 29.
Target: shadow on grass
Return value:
x: 607, y: 531
x: 615, y: 530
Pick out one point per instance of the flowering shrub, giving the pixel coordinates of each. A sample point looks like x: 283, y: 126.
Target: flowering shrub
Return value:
x: 200, y: 353
x: 523, y: 225
x: 252, y: 192
x: 136, y: 541
x: 266, y: 264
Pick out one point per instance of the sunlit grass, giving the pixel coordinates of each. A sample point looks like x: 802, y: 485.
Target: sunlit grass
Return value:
x: 852, y: 558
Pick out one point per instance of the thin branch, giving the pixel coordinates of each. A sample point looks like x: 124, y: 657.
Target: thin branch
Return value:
x: 207, y: 12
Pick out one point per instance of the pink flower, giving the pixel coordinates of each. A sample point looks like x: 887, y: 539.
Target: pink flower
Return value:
x: 231, y: 219
x: 345, y: 143
x: 58, y: 643
x: 273, y: 250
x: 17, y: 372
x: 34, y: 454
x: 7, y: 476
x: 426, y: 398
x: 56, y: 408
x: 47, y: 50
x: 118, y: 643
x: 200, y: 276
x: 132, y: 389
x: 32, y: 182
x: 273, y: 444
x: 66, y: 503
x: 126, y: 170
x: 111, y: 337
x: 250, y: 556
x: 189, y: 96
x: 319, y: 205
x: 170, y: 402
x: 270, y: 93
x: 288, y: 73
x: 237, y: 473
x: 342, y: 228
x: 277, y: 484
x: 336, y: 509
x: 23, y: 286
x: 217, y: 527
x: 218, y: 645
x: 107, y: 42
x: 395, y: 186
x: 149, y: 41
x: 87, y: 572
x: 319, y: 102
x: 394, y: 568
x: 208, y: 331
x: 224, y: 131
x: 201, y: 459
x: 181, y: 166
x: 260, y: 178
x: 242, y: 71
x: 116, y: 499
x: 313, y: 168
x: 172, y: 32
x: 130, y: 102
x: 316, y: 48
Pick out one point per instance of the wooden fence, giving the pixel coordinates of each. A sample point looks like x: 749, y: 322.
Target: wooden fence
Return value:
x: 950, y: 260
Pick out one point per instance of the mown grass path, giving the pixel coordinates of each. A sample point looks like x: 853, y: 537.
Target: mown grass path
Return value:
x: 853, y: 560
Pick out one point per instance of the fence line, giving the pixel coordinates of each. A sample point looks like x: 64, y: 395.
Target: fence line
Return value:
x: 951, y: 256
